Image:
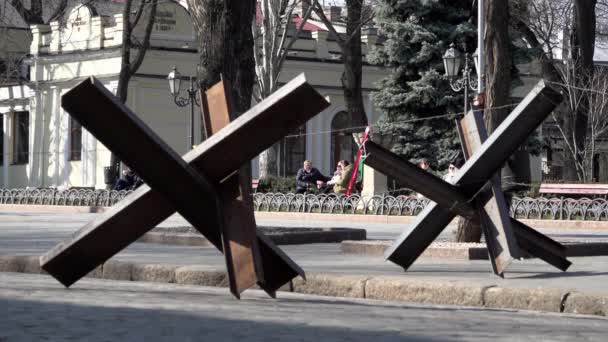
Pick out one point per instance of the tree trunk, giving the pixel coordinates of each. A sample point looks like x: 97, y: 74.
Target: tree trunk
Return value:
x: 498, y: 88
x: 498, y: 63
x: 268, y: 163
x: 123, y: 83
x: 353, y: 64
x: 129, y: 66
x: 226, y: 45
x: 469, y: 230
x: 583, y: 46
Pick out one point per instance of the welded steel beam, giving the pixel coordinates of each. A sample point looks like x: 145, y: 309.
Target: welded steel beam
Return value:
x: 493, y: 213
x: 449, y: 201
x: 239, y: 241
x: 285, y: 110
x: 507, y: 137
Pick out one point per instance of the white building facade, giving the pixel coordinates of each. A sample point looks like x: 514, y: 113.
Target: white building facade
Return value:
x: 43, y: 147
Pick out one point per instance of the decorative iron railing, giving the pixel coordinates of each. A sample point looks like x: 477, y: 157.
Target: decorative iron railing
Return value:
x: 526, y: 208
x: 72, y: 197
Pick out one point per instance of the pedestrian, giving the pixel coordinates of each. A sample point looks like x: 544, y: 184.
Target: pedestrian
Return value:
x: 454, y: 166
x: 309, y: 177
x: 426, y: 166
x: 129, y: 180
x: 342, y: 184
x: 328, y: 187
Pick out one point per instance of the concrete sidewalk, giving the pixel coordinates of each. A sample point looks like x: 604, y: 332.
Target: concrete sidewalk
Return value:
x: 35, y: 308
x: 530, y: 284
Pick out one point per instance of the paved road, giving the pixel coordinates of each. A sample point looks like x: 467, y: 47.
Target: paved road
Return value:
x: 35, y: 308
x: 34, y: 234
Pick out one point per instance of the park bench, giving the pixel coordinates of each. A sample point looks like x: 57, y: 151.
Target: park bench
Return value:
x: 574, y: 189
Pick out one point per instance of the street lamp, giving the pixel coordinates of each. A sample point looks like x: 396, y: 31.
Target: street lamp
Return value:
x: 451, y: 62
x: 175, y: 80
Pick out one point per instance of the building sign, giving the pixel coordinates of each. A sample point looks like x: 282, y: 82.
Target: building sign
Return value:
x: 165, y: 19
x: 77, y: 31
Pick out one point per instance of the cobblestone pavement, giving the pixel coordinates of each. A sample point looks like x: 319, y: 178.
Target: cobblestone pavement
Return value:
x: 36, y: 308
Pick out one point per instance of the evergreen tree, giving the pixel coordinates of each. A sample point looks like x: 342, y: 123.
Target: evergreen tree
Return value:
x: 418, y: 32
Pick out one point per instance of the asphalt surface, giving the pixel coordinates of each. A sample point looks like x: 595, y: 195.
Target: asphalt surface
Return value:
x: 35, y: 308
x: 34, y: 234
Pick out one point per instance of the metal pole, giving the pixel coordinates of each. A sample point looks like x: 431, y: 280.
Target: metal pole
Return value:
x: 5, y: 150
x: 480, y: 46
x: 192, y: 94
x: 465, y: 79
x: 466, y: 95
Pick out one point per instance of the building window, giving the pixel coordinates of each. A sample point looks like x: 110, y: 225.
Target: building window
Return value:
x: 75, y: 140
x: 293, y: 151
x: 343, y: 145
x: 21, y: 135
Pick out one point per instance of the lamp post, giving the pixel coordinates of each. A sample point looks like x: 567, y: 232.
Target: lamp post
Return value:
x: 175, y: 80
x: 451, y: 62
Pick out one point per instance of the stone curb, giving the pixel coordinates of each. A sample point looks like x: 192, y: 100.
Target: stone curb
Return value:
x: 355, y: 286
x: 327, y: 235
x: 386, y: 219
x: 465, y: 251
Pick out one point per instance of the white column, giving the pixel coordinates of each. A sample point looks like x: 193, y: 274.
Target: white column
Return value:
x: 480, y: 44
x: 5, y: 158
x: 88, y: 160
x: 64, y: 150
x: 55, y: 148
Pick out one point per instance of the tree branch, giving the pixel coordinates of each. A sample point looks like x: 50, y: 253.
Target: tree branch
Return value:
x: 284, y: 51
x: 59, y: 10
x: 141, y: 53
x: 319, y: 11
x: 139, y: 12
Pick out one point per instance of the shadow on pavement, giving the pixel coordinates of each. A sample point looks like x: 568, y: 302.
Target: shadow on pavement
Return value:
x: 33, y: 321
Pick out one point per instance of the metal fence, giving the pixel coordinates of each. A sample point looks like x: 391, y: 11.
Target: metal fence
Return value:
x: 526, y: 208
x: 73, y: 197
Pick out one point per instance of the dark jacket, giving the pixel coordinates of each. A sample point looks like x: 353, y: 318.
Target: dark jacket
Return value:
x: 306, y: 179
x: 130, y: 181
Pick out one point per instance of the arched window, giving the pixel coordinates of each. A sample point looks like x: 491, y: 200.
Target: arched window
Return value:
x: 292, y: 152
x: 343, y: 145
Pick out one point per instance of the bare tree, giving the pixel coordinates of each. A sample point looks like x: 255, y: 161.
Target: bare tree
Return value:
x: 592, y: 98
x: 359, y: 14
x: 498, y: 74
x: 582, y: 49
x: 566, y: 28
x: 130, y: 63
x: 34, y: 14
x: 273, y: 40
x: 226, y: 45
x: 17, y: 13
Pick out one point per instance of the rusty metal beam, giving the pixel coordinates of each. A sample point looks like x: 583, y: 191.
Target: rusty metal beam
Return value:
x: 288, y: 108
x: 239, y: 241
x: 507, y: 137
x: 492, y: 212
x: 449, y: 202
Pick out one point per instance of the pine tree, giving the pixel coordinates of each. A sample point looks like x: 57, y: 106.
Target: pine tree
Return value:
x: 418, y: 33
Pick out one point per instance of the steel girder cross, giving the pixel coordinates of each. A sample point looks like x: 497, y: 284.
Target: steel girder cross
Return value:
x: 191, y: 186
x: 506, y: 238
